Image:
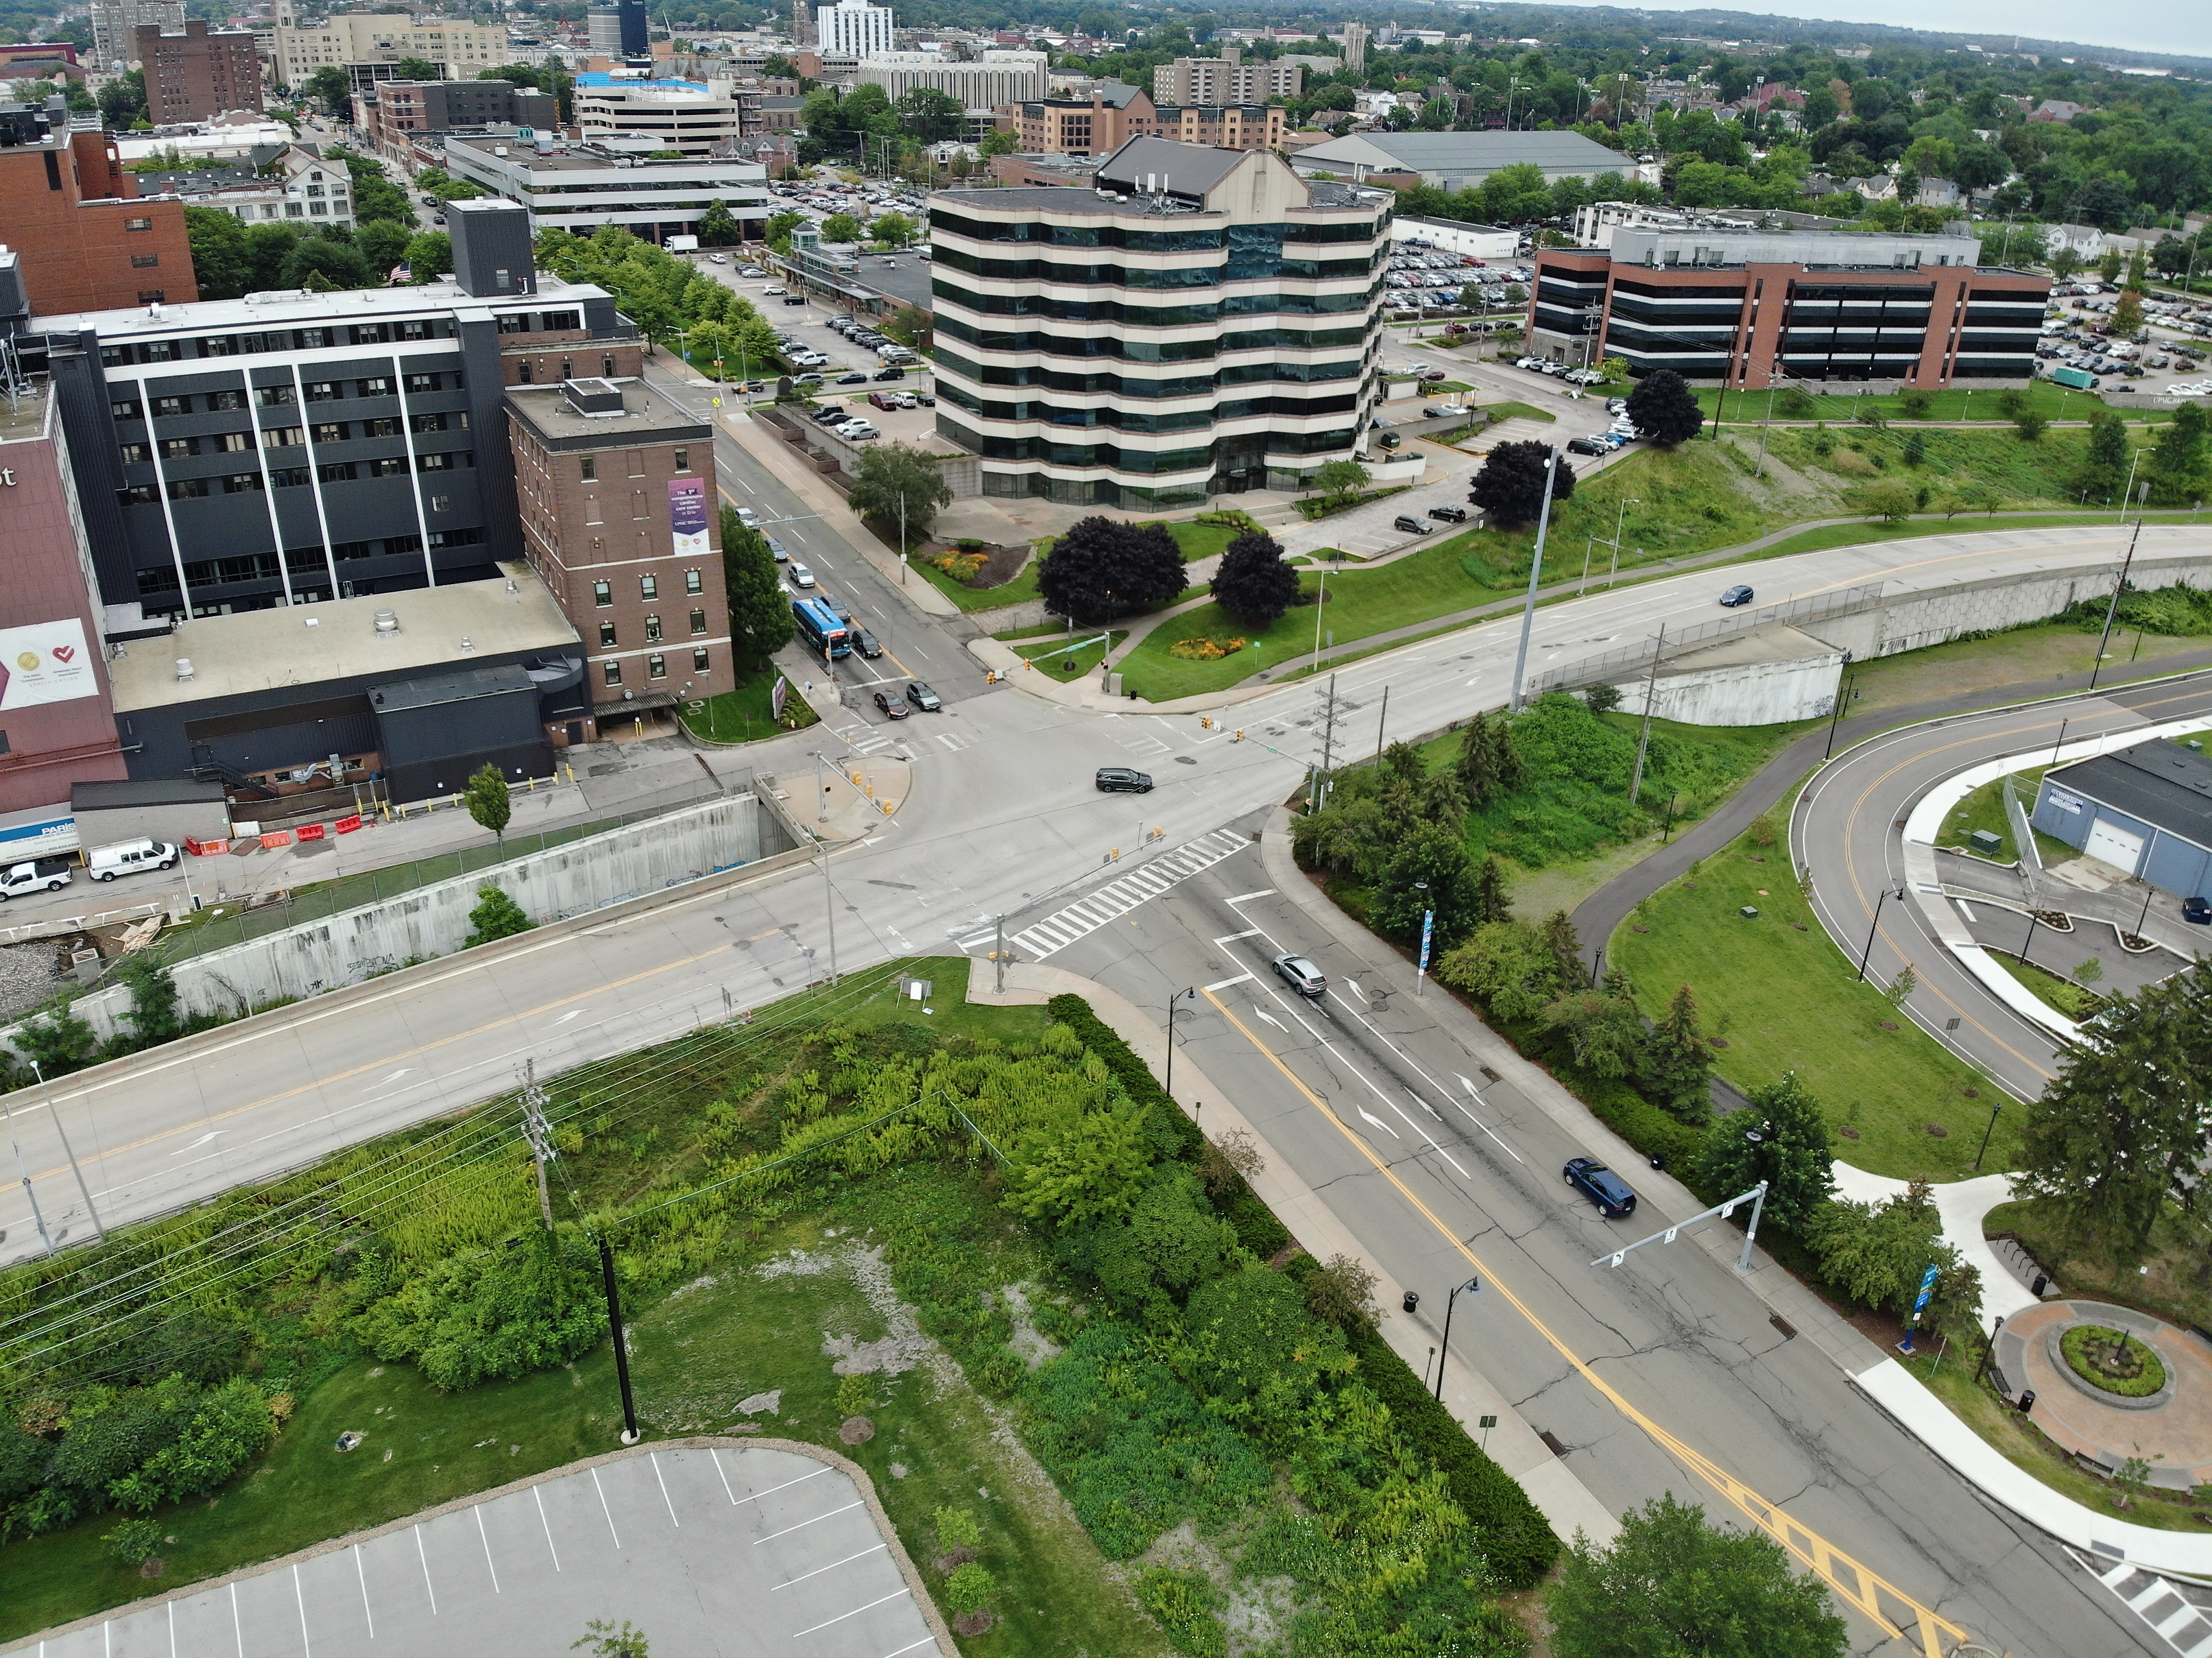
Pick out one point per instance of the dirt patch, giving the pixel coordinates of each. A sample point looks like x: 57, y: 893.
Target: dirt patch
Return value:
x: 903, y: 1348
x: 1027, y: 1340
x: 970, y: 1624
x: 857, y: 1430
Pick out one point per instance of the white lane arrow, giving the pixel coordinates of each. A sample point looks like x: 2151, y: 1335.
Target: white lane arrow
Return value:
x: 1479, y: 1123
x: 198, y: 1143
x: 404, y: 1070
x: 1370, y: 1118
x: 1352, y: 985
x: 573, y: 1013
x: 1272, y: 1020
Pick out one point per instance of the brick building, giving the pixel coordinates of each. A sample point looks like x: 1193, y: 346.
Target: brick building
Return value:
x: 618, y: 502
x: 394, y: 114
x: 1752, y: 308
x: 85, y: 241
x: 197, y: 74
x: 1114, y: 112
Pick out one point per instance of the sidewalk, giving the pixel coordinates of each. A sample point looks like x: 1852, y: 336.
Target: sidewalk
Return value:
x: 1561, y: 1498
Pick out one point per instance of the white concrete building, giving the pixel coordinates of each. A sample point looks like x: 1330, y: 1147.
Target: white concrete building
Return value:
x: 114, y: 23
x: 310, y: 191
x: 680, y: 118
x: 581, y: 186
x: 853, y: 25
x: 1225, y: 80
x: 998, y: 79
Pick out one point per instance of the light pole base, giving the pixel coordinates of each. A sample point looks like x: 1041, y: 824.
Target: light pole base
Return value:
x: 629, y: 1437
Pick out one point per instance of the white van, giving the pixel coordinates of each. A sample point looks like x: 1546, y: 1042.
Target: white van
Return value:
x: 130, y: 858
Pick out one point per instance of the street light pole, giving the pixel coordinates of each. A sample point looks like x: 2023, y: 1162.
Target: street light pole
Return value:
x: 1995, y: 1108
x: 1444, y: 1353
x: 1187, y: 994
x: 24, y: 1169
x: 47, y: 1089
x: 1885, y: 895
x: 1536, y: 574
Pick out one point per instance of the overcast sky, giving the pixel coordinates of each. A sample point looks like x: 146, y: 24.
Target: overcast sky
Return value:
x: 2146, y: 25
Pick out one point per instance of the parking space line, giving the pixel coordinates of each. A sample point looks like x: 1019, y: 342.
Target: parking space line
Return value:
x: 306, y: 1646
x: 424, y: 1557
x: 362, y: 1572
x: 485, y: 1536
x: 654, y: 1458
x: 804, y: 1524
x: 715, y: 1457
x: 856, y: 1612
x: 604, y: 1509
x: 237, y: 1628
x: 927, y: 1641
x: 550, y: 1547
x: 832, y: 1566
x: 787, y: 1485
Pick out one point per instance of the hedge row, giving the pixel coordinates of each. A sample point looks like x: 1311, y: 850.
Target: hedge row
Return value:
x: 1517, y: 1539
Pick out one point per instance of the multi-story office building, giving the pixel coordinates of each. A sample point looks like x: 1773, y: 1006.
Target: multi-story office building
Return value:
x: 853, y: 25
x: 349, y: 40
x: 676, y: 114
x: 195, y: 75
x: 581, y: 186
x: 116, y: 23
x: 996, y: 79
x: 74, y: 217
x: 1749, y: 307
x: 619, y: 28
x: 397, y: 113
x: 235, y: 454
x: 1227, y: 79
x: 1199, y: 321
x: 1224, y: 126
x: 304, y: 188
x: 619, y: 520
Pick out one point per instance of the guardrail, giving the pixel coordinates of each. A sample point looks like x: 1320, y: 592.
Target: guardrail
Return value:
x: 1631, y: 660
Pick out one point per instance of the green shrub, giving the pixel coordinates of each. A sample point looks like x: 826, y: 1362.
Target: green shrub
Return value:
x: 488, y: 1315
x: 2081, y: 1346
x: 1183, y: 1602
x: 970, y: 1588
x: 133, y: 1541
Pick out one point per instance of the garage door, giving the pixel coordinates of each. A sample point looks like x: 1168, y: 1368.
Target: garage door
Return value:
x: 2115, y: 846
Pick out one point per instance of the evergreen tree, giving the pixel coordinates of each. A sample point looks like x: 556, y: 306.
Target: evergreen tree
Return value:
x: 2103, y: 471
x: 1488, y: 766
x: 1567, y: 948
x: 2177, y: 466
x: 1665, y: 409
x: 1509, y: 487
x: 1678, y: 1061
x: 1253, y: 584
x: 1493, y: 901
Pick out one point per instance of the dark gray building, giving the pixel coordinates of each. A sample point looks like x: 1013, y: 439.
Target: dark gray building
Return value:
x: 2147, y: 810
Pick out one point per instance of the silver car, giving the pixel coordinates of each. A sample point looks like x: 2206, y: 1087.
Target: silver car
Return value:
x: 1302, y: 975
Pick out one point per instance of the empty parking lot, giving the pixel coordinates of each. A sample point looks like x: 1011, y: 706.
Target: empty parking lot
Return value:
x: 732, y: 1550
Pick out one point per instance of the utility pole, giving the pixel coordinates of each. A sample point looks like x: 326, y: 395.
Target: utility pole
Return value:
x: 1535, y: 573
x: 998, y: 955
x: 1381, y: 722
x: 829, y: 908
x: 47, y: 1089
x: 630, y: 1434
x: 540, y: 1136
x: 2113, y: 609
x: 23, y: 1169
x: 1650, y: 695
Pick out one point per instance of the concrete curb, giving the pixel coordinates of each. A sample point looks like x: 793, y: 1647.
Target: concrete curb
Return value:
x: 1564, y: 1502
x: 844, y: 1465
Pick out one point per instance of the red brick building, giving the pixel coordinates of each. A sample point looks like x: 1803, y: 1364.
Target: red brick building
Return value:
x: 57, y: 720
x: 621, y: 521
x: 198, y: 75
x: 1754, y: 308
x: 86, y: 242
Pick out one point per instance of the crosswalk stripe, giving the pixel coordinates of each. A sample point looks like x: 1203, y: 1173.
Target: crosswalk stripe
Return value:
x: 1085, y: 915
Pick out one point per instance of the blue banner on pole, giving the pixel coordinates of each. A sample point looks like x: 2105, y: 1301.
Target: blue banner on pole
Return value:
x: 1428, y: 926
x: 1927, y: 1290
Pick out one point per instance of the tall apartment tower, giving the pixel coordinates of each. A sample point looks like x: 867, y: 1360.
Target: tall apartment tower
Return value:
x: 1355, y: 46
x: 197, y: 76
x: 115, y: 25
x: 1227, y: 79
x: 853, y: 25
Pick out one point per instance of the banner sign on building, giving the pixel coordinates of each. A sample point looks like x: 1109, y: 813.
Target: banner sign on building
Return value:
x: 44, y: 663
x: 687, y: 516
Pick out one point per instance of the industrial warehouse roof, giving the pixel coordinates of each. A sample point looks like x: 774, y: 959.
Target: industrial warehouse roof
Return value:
x: 2161, y: 783
x: 303, y: 645
x: 1462, y: 155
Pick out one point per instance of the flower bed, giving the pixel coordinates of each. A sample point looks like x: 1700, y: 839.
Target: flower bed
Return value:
x: 1205, y: 650
x: 2112, y: 1362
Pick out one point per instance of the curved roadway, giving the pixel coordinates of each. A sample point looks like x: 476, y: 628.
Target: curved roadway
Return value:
x: 1848, y: 827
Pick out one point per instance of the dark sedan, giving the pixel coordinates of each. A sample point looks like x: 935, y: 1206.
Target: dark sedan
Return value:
x: 1602, y: 1187
x: 891, y: 710
x: 1736, y: 596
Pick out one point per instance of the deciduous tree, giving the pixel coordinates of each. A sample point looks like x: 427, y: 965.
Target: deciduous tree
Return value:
x: 1252, y: 583
x: 1100, y: 568
x: 1665, y: 409
x: 495, y: 916
x: 1781, y: 1139
x: 1509, y: 487
x: 488, y: 802
x: 892, y: 474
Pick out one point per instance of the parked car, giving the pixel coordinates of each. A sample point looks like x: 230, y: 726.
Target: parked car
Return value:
x: 1409, y: 524
x: 2196, y: 911
x: 1736, y: 596
x: 773, y: 288
x: 1302, y: 975
x: 718, y: 258
x: 801, y: 576
x: 893, y: 373
x: 830, y: 412
x: 795, y: 299
x: 1587, y: 446
x: 883, y: 399
x: 926, y: 399
x: 1602, y: 1187
x: 891, y: 710
x: 36, y: 877
x: 864, y: 643
x: 130, y: 858
x: 1449, y: 514
x: 1122, y: 780
x: 854, y: 378
x: 859, y: 431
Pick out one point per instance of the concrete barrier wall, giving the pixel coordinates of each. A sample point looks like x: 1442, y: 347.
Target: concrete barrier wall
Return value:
x: 575, y: 879
x: 1742, y: 694
x: 1911, y: 621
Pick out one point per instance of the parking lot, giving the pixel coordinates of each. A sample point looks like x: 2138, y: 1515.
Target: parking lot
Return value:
x: 733, y: 1551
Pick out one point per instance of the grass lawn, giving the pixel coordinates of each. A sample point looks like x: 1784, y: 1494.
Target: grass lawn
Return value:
x: 1950, y: 1377
x: 2076, y: 1251
x: 744, y: 715
x: 2062, y: 995
x: 2020, y: 656
x: 1750, y: 407
x: 1053, y: 662
x: 1983, y: 809
x: 1785, y: 1000
x: 1515, y: 410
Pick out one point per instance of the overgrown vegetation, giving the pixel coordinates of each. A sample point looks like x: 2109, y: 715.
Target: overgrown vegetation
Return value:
x: 1204, y: 1371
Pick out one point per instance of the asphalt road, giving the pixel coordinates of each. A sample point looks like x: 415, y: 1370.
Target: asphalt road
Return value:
x: 1672, y: 1329
x: 1848, y: 827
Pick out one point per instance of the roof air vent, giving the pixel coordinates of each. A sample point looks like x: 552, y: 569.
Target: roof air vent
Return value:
x: 184, y: 669
x: 387, y: 624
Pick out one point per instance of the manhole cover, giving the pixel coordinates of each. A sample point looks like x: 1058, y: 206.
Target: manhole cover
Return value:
x: 1185, y: 760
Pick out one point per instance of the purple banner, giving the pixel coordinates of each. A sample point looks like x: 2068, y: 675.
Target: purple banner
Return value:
x: 687, y: 516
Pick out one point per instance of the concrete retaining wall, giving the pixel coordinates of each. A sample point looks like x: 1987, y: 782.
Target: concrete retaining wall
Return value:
x: 1742, y: 694
x: 571, y: 880
x: 1911, y: 621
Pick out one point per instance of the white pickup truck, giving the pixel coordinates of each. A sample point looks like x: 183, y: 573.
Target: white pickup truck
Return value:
x: 22, y: 878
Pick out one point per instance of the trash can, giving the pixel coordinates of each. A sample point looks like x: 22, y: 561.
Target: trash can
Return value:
x: 1413, y: 1300
x: 2026, y: 1402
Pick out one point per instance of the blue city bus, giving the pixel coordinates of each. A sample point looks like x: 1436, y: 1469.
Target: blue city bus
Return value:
x: 819, y: 626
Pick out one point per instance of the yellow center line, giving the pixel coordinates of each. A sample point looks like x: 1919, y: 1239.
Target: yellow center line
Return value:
x: 1850, y: 1581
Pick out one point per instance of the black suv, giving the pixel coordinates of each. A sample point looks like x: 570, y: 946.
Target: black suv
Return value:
x: 1587, y: 446
x: 1602, y: 1187
x: 1122, y: 780
x: 1449, y: 514
x: 1411, y: 525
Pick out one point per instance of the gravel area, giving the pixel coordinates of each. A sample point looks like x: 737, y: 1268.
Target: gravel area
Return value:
x: 26, y: 977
